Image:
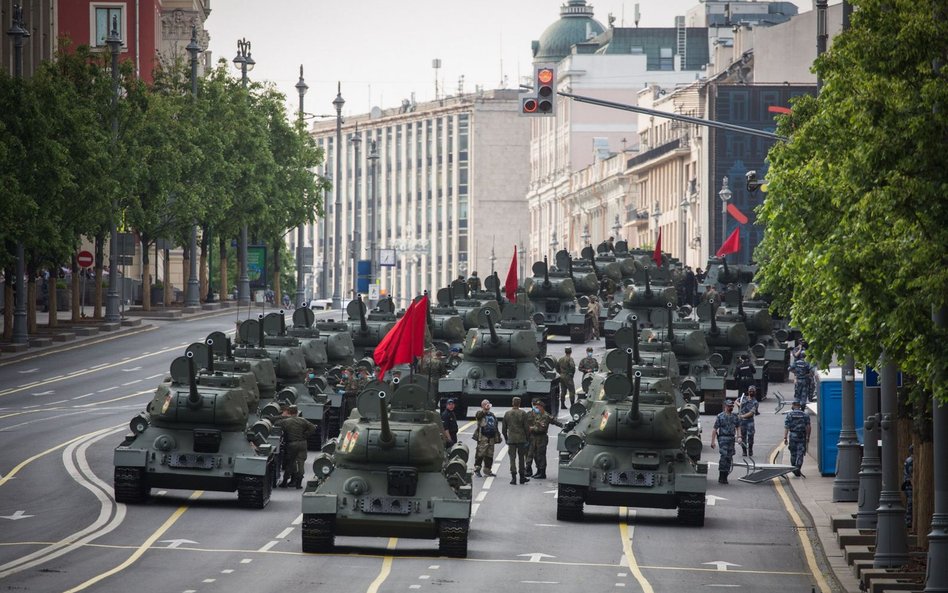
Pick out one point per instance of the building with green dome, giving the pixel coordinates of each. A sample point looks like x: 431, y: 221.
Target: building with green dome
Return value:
x: 576, y: 25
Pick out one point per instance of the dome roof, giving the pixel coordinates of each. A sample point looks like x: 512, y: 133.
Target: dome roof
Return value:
x: 576, y: 25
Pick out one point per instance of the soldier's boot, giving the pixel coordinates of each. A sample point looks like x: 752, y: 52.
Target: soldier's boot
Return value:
x: 572, y: 400
x: 562, y: 402
x: 528, y: 472
x: 286, y: 479
x: 487, y: 471
x: 744, y: 449
x: 298, y: 481
x: 513, y: 479
x: 524, y: 479
x: 477, y: 471
x: 722, y: 478
x: 540, y: 475
x: 750, y: 450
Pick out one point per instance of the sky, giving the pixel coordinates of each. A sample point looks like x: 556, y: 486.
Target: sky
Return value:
x: 382, y: 50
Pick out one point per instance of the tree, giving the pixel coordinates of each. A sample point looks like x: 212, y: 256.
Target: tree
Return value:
x: 857, y: 221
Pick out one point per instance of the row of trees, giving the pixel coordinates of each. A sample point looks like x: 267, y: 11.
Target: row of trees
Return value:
x: 228, y: 157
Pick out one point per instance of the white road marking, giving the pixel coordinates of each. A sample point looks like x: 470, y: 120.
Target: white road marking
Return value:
x: 28, y: 371
x: 283, y: 534
x: 266, y: 547
x: 297, y: 520
x: 131, y: 382
x: 50, y: 392
x: 536, y: 556
x: 474, y: 508
x: 488, y: 483
x: 480, y: 496
x: 227, y: 571
x: 711, y: 499
x: 722, y: 565
x: 189, y: 591
x: 434, y: 567
x: 107, y: 389
x: 544, y: 525
x: 62, y: 401
x: 424, y: 577
x: 31, y: 407
x: 154, y: 376
x: 16, y: 516
x: 98, y: 366
x: 82, y: 396
x: 414, y: 586
x: 131, y: 370
x: 622, y: 574
x: 723, y: 585
x: 541, y: 582
x: 246, y: 561
x: 620, y: 584
x: 208, y: 580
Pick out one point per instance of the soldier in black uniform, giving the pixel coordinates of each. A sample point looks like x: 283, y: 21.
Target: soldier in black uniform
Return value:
x: 450, y: 423
x: 744, y: 374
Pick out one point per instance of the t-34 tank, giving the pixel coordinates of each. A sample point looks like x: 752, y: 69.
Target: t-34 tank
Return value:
x: 368, y: 330
x: 444, y: 320
x: 728, y: 339
x: 647, y: 303
x: 553, y: 293
x: 390, y: 476
x: 194, y: 436
x: 769, y: 346
x: 630, y: 448
x: 499, y: 364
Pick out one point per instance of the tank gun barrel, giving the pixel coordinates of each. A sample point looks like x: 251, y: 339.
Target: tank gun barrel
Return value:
x: 260, y: 331
x: 497, y: 288
x: 494, y: 338
x: 740, y: 302
x: 714, y: 318
x: 386, y: 438
x: 569, y: 267
x: 282, y: 323
x: 363, y: 324
x: 194, y: 398
x: 546, y: 273
x: 648, y: 285
x: 429, y: 319
x: 636, y: 387
x: 450, y: 296
x: 635, y: 342
x: 671, y: 324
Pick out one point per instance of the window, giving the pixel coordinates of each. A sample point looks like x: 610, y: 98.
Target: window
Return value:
x: 103, y: 15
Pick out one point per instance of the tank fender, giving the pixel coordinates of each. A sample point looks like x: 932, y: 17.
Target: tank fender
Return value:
x: 691, y: 483
x: 125, y: 457
x: 250, y: 465
x: 451, y: 509
x: 320, y: 504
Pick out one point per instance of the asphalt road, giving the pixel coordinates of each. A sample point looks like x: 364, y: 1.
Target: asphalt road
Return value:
x: 63, y: 413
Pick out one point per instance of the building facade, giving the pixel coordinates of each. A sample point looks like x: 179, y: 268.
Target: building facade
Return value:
x: 449, y: 195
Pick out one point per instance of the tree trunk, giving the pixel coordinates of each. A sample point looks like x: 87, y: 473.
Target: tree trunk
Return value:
x: 146, y: 275
x: 52, y: 303
x: 99, y: 249
x: 185, y: 269
x: 9, y: 274
x: 76, y: 285
x: 224, y: 287
x: 277, y: 291
x: 167, y: 277
x: 202, y: 264
x: 31, y: 300
x: 923, y: 490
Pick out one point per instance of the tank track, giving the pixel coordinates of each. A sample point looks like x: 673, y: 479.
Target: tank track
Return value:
x: 131, y: 485
x: 569, y: 503
x: 691, y: 509
x: 253, y: 492
x: 318, y: 533
x: 452, y: 538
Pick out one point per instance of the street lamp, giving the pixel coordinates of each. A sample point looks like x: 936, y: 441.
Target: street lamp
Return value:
x: 493, y: 261
x: 616, y: 228
x: 245, y: 62
x: 554, y: 243
x: 192, y: 294
x: 20, y: 333
x: 338, y: 102
x: 683, y: 227
x: 301, y: 88
x: 356, y: 142
x: 656, y: 214
x: 725, y: 195
x: 112, y: 314
x: 585, y: 235
x: 523, y: 262
x: 373, y: 230
x: 413, y: 249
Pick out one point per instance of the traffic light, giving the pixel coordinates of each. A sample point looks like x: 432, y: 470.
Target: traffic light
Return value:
x: 542, y: 101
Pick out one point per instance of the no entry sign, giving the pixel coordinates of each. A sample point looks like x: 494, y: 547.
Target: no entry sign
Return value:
x: 85, y: 259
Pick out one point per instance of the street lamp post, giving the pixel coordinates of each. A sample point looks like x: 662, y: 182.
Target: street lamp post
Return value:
x: 493, y: 261
x: 522, y: 253
x: 112, y: 314
x: 338, y: 102
x: 301, y: 88
x: 245, y: 62
x: 554, y: 243
x: 616, y: 227
x: 683, y: 229
x: 20, y: 333
x: 192, y: 295
x: 656, y: 214
x: 725, y: 195
x: 585, y: 235
x: 373, y: 229
x: 356, y: 251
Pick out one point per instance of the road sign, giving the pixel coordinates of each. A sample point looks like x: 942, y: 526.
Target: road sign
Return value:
x: 374, y: 292
x: 85, y: 259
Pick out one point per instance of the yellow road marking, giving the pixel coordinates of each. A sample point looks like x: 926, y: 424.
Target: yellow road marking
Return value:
x: 815, y: 570
x: 79, y: 345
x: 386, y: 568
x: 84, y: 372
x: 469, y: 424
x: 141, y: 549
x: 26, y: 462
x: 634, y: 567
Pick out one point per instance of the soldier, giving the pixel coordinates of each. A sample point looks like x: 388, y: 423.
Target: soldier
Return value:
x: 538, y: 425
x: 450, y: 422
x: 907, y: 469
x: 744, y: 375
x: 473, y: 283
x: 514, y: 429
x: 748, y: 409
x: 796, y: 435
x: 486, y: 435
x: 566, y: 368
x: 802, y: 379
x: 594, y: 313
x: 724, y: 432
x: 297, y: 430
x: 589, y: 364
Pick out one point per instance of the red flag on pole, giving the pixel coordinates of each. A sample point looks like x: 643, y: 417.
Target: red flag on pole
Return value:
x: 510, y: 286
x: 404, y: 341
x: 416, y: 336
x: 732, y: 244
x: 657, y: 254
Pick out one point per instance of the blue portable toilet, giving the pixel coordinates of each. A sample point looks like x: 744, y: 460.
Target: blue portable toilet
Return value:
x: 829, y: 418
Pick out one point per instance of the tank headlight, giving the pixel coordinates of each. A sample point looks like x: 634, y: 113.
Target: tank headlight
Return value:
x: 574, y: 443
x: 140, y: 422
x: 475, y: 373
x: 604, y: 461
x: 356, y: 486
x: 165, y: 442
x: 323, y: 465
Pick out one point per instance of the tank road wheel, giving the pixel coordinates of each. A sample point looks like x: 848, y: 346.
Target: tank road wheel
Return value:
x: 569, y: 503
x: 319, y: 533
x: 131, y: 485
x: 452, y: 538
x: 253, y: 492
x: 691, y: 509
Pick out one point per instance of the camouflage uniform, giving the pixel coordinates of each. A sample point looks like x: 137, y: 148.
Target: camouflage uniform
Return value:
x: 538, y: 425
x: 594, y: 312
x: 484, y: 454
x: 726, y: 426
x: 588, y: 365
x: 566, y: 369
x: 802, y: 383
x: 297, y: 430
x: 748, y: 406
x: 797, y: 425
x: 514, y: 429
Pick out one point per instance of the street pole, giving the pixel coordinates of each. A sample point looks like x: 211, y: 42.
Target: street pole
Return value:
x: 373, y: 246
x: 245, y: 62
x: 354, y: 202
x: 891, y: 540
x: 846, y: 484
x: 936, y: 580
x: 725, y: 195
x: 20, y: 333
x: 821, y: 37
x: 301, y: 88
x: 192, y: 295
x: 338, y: 102
x: 112, y: 314
x: 870, y: 474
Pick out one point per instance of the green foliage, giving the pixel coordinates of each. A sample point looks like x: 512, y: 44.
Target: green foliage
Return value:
x: 857, y: 221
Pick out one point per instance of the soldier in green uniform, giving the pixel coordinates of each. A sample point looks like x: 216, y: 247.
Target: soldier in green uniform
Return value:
x: 473, y: 283
x: 566, y: 368
x: 297, y: 430
x: 589, y: 364
x: 538, y: 425
x: 514, y: 429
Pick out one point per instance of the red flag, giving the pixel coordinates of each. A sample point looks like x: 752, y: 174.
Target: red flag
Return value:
x: 657, y: 254
x: 737, y: 214
x: 404, y: 341
x: 510, y: 286
x: 732, y: 244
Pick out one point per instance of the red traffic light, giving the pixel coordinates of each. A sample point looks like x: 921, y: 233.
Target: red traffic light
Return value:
x: 545, y: 75
x: 529, y: 106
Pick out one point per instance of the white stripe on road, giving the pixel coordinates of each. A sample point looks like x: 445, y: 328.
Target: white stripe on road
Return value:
x: 283, y: 534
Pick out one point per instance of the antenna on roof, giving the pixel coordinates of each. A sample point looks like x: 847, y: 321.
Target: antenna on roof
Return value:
x: 436, y: 64
x: 638, y: 15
